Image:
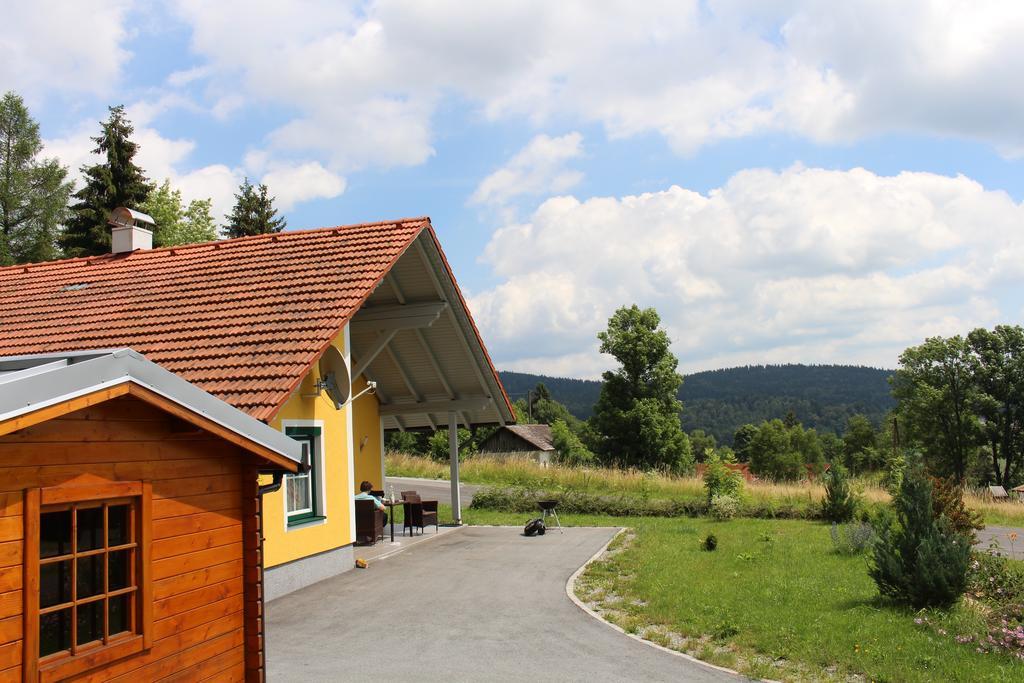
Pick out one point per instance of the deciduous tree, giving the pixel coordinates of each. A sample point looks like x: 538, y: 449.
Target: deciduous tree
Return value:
x: 998, y: 370
x: 636, y: 416
x: 175, y: 223
x: 937, y: 394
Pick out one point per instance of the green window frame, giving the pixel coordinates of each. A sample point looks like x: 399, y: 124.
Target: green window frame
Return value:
x: 302, y: 491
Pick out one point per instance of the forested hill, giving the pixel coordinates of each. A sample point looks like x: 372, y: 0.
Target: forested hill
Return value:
x: 718, y: 401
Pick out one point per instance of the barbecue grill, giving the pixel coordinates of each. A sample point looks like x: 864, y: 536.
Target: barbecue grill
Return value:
x: 547, y: 507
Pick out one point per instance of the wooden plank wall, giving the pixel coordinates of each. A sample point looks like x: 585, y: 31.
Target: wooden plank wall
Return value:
x: 198, y: 510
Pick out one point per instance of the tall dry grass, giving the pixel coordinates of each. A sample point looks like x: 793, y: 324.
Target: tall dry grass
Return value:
x: 513, y: 472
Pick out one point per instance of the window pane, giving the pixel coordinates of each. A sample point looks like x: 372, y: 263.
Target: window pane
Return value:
x: 90, y: 576
x: 120, y: 569
x: 90, y: 528
x: 55, y: 533
x: 90, y: 622
x: 298, y: 492
x: 54, y: 632
x: 117, y: 525
x: 119, y: 611
x: 54, y: 583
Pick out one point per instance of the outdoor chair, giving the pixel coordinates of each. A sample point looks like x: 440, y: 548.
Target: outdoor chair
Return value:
x: 419, y: 513
x: 369, y: 522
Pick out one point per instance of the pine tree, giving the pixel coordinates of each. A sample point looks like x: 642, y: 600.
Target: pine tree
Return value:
x: 33, y: 192
x: 917, y: 558
x: 115, y: 182
x: 840, y: 503
x: 253, y: 213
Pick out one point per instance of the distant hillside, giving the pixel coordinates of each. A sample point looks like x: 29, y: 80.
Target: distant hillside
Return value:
x: 718, y: 401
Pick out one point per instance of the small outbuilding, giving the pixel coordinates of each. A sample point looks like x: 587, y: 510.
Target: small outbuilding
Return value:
x: 130, y: 522
x: 521, y: 441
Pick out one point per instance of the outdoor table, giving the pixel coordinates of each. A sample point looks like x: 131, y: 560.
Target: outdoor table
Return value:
x: 392, y: 504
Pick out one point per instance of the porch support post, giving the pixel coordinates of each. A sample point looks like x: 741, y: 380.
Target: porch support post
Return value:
x: 453, y: 456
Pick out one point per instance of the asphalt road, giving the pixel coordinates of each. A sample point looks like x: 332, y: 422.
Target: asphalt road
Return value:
x: 1000, y: 536
x: 477, y: 604
x: 433, y: 489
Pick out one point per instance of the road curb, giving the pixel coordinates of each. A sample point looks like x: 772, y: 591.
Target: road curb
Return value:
x: 570, y: 590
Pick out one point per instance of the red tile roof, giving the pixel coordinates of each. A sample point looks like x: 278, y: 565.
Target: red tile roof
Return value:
x: 243, y: 319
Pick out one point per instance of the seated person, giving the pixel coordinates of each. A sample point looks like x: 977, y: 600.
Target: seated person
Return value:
x: 364, y: 494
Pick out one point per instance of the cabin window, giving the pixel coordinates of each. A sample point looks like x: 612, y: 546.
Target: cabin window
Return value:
x: 87, y: 550
x: 303, y: 499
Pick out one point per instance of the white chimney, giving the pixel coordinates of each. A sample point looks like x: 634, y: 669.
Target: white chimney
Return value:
x: 130, y: 230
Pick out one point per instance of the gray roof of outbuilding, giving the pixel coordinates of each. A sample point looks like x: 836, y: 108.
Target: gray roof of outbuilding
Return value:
x: 29, y: 383
x: 535, y: 435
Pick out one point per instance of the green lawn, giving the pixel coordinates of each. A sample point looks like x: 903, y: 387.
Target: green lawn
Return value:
x: 773, y: 601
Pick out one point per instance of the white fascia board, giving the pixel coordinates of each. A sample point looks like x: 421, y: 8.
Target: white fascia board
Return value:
x: 90, y: 372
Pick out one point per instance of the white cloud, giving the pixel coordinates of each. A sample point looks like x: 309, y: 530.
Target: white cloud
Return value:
x: 294, y: 183
x: 538, y: 168
x: 50, y: 45
x: 366, y: 79
x: 806, y: 265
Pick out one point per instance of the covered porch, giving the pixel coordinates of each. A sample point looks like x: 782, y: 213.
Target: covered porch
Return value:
x: 415, y: 338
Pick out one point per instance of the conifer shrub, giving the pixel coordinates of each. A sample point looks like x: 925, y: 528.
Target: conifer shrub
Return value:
x: 918, y: 559
x: 840, y: 503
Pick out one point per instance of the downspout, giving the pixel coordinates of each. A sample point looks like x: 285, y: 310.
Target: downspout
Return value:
x: 274, y: 485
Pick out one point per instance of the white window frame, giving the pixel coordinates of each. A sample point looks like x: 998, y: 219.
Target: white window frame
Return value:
x: 318, y: 461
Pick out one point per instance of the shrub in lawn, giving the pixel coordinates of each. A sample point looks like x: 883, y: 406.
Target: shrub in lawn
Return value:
x: 724, y: 507
x: 840, y: 503
x: 948, y: 502
x: 854, y: 538
x: 917, y: 559
x: 995, y: 580
x: 719, y: 480
x: 710, y: 543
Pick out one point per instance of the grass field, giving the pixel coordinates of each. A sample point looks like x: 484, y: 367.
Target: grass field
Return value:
x: 773, y: 601
x: 482, y: 470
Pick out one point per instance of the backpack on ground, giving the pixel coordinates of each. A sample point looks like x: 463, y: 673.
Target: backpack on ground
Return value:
x: 534, y: 527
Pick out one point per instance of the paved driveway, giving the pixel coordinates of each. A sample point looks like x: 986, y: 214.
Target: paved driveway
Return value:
x: 1000, y: 536
x: 482, y: 603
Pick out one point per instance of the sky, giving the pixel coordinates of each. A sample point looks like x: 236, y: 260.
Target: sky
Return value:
x: 784, y: 181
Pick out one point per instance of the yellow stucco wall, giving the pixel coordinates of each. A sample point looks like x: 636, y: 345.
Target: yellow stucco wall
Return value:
x: 366, y: 437
x: 282, y: 543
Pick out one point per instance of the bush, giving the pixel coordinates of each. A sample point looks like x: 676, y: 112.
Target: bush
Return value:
x: 568, y: 447
x: 852, y: 539
x: 948, y: 502
x: 573, y: 501
x: 995, y: 580
x: 917, y: 559
x: 724, y: 507
x: 719, y: 480
x: 840, y: 503
x: 710, y: 543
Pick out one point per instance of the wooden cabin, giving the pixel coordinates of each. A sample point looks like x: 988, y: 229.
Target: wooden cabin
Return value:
x: 130, y: 540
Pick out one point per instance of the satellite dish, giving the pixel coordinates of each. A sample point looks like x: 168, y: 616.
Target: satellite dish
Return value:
x: 334, y: 377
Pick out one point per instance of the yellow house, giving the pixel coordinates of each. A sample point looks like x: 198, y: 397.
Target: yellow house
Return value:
x: 333, y: 336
